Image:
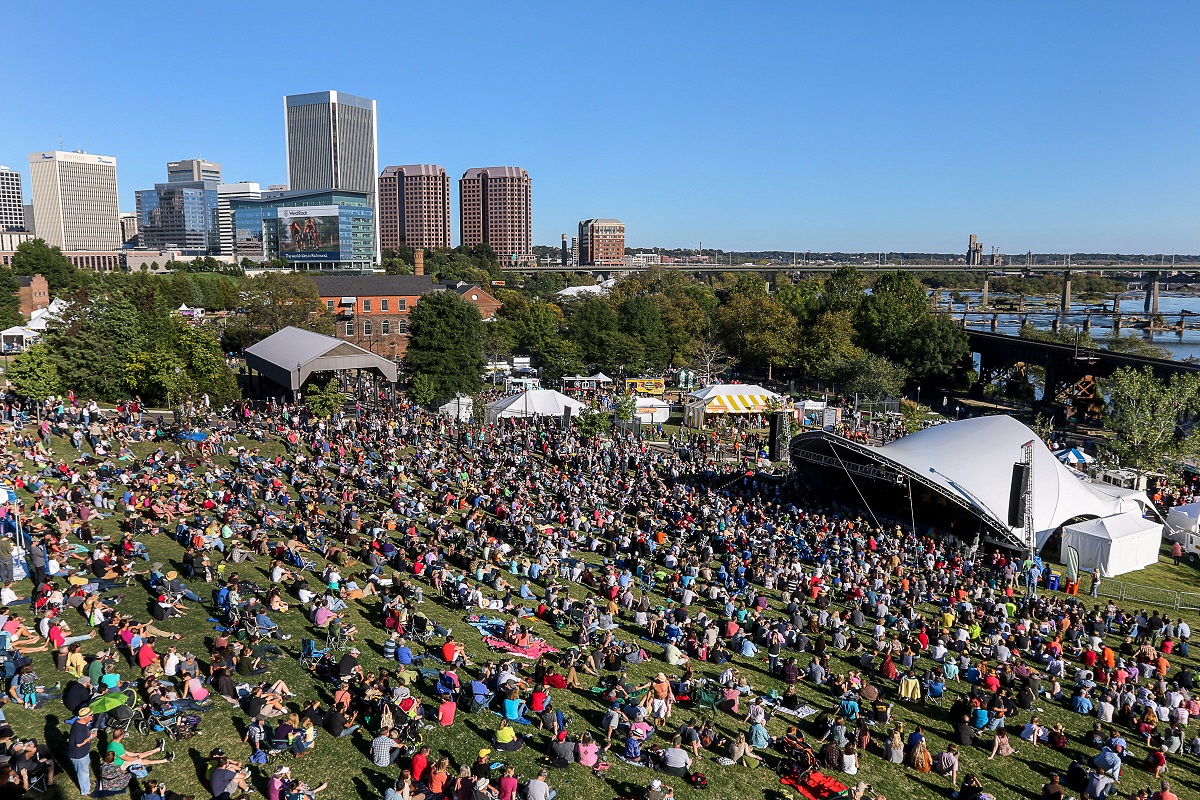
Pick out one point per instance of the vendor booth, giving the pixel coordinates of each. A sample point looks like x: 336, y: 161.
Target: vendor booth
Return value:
x: 728, y: 398
x: 1115, y: 545
x: 460, y: 408
x: 652, y: 409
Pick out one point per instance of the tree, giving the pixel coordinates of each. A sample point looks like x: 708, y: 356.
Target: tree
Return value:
x: 274, y: 301
x: 35, y: 257
x: 709, y: 357
x: 592, y: 324
x: 843, y: 290
x: 827, y: 344
x: 93, y: 340
x: 327, y: 400
x: 871, y: 376
x: 421, y: 390
x: 757, y: 330
x: 638, y: 318
x: 34, y: 374
x: 1144, y: 413
x: 445, y: 343
x: 591, y: 422
x: 625, y: 407
x: 896, y: 322
x: 10, y: 301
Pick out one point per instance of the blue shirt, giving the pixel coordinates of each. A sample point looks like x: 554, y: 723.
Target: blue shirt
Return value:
x: 1081, y: 705
x: 404, y: 655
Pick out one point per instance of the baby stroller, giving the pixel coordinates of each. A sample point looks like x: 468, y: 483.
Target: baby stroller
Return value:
x: 310, y: 654
x: 169, y: 721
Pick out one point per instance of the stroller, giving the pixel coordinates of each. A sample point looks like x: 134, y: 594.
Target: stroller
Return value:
x: 170, y: 721
x: 310, y: 654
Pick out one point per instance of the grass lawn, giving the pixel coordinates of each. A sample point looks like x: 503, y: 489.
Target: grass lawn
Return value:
x: 346, y: 764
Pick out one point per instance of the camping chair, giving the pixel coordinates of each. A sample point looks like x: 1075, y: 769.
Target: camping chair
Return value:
x: 709, y: 696
x: 934, y: 689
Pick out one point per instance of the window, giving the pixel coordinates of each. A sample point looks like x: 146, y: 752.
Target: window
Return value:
x: 385, y: 304
x: 329, y: 304
x: 402, y: 304
x: 367, y: 305
x: 385, y: 327
x: 402, y: 326
x: 350, y: 328
x: 367, y: 326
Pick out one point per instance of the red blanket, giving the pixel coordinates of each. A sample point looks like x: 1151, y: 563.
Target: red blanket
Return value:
x: 817, y: 786
x: 535, y: 650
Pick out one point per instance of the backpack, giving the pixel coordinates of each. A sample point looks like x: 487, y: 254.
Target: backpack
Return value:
x: 698, y: 780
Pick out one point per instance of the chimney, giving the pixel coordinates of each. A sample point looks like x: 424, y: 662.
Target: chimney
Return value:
x: 419, y: 261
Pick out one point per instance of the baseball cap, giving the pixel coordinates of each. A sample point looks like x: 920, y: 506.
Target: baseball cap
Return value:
x: 484, y: 753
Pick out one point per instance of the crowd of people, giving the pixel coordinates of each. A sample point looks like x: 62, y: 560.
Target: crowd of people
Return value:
x: 743, y: 598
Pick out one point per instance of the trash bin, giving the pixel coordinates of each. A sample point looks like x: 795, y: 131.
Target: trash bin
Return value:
x: 1055, y: 578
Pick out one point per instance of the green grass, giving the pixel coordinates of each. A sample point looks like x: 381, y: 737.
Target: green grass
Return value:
x: 346, y: 765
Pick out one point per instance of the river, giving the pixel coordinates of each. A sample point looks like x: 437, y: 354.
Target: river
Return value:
x: 1180, y: 344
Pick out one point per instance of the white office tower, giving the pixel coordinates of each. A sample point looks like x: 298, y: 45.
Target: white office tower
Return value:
x: 75, y: 200
x: 332, y: 141
x: 243, y: 190
x: 12, y: 213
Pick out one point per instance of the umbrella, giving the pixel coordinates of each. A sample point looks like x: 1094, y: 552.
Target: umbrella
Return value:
x: 107, y: 702
x: 1073, y: 455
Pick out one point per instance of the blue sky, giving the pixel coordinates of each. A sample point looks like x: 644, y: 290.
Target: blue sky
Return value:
x: 1056, y: 127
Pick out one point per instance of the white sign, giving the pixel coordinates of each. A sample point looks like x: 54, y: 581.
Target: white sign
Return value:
x: 291, y: 212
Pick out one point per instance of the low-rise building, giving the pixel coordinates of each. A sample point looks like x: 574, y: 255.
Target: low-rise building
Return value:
x: 477, y: 296
x: 34, y: 293
x: 372, y: 311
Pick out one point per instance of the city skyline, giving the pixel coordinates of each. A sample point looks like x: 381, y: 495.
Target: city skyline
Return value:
x: 880, y: 128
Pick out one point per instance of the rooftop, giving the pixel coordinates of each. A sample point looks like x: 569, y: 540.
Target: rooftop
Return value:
x: 374, y: 285
x: 495, y: 172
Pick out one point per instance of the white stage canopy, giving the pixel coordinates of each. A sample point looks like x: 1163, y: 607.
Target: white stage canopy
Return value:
x: 1116, y: 545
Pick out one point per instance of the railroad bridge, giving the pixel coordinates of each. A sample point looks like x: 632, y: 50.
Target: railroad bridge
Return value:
x: 1071, y: 372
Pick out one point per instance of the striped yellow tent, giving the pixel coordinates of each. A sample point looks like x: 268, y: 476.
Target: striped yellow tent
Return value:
x: 728, y: 398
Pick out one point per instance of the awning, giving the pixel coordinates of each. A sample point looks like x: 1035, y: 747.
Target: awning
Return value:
x: 349, y: 301
x: 737, y: 404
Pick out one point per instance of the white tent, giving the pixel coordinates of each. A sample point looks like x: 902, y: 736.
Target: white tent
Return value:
x: 652, y: 409
x: 460, y: 408
x: 600, y: 377
x: 1182, y: 520
x: 532, y: 403
x: 1116, y: 545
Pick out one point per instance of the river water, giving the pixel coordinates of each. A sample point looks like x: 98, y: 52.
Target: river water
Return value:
x: 1180, y: 345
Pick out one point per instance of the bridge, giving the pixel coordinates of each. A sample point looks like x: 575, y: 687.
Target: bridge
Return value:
x: 1071, y: 372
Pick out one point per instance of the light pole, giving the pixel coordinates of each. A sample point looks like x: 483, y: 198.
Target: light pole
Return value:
x: 918, y: 395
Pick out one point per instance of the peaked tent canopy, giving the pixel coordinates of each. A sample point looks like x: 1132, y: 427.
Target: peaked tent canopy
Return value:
x: 1073, y: 455
x: 460, y: 408
x: 600, y: 377
x: 652, y: 409
x: 728, y: 398
x: 288, y: 357
x: 532, y: 403
x: 1115, y: 545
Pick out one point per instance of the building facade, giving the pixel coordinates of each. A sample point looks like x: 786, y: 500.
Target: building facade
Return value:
x: 182, y: 214
x: 226, y: 194
x: 601, y: 243
x: 129, y: 230
x: 495, y: 209
x: 372, y: 311
x: 193, y: 169
x: 477, y: 296
x: 75, y: 200
x: 12, y: 210
x: 33, y: 293
x: 311, y: 230
x: 332, y: 142
x: 414, y: 207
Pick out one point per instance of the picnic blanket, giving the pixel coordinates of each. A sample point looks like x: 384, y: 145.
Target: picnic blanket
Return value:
x: 817, y: 786
x: 803, y: 712
x: 534, y: 651
x: 487, y: 626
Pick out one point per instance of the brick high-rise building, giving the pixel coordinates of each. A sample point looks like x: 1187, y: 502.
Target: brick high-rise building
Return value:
x: 601, y: 243
x: 495, y: 209
x: 414, y: 207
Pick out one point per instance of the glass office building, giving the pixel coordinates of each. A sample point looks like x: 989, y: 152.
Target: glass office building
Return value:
x: 181, y: 215
x: 316, y: 229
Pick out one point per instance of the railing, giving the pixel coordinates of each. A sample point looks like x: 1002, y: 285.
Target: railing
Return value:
x: 1122, y: 591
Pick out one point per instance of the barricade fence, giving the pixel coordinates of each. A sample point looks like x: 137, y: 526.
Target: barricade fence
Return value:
x: 1123, y: 591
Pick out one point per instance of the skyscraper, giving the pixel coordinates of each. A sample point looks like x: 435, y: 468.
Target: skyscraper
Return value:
x: 12, y: 215
x: 227, y: 192
x: 332, y: 141
x: 75, y: 200
x: 414, y: 207
x: 181, y: 214
x: 601, y: 243
x: 129, y: 230
x: 193, y: 169
x: 495, y: 209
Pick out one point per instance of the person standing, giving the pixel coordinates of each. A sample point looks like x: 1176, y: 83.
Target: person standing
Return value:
x: 6, y: 559
x: 79, y: 749
x: 1176, y: 552
x: 1095, y: 590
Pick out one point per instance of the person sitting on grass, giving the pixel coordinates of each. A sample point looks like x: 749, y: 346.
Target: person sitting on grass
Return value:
x: 137, y: 763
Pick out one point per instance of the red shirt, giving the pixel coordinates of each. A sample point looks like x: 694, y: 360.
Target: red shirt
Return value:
x: 420, y: 762
x: 446, y: 713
